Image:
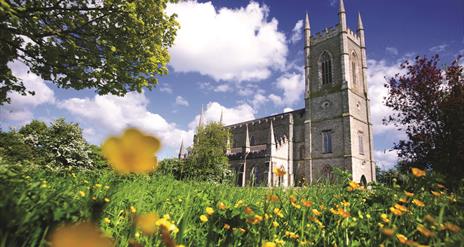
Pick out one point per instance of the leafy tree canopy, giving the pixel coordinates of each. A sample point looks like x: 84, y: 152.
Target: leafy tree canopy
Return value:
x: 112, y: 46
x: 428, y: 104
x: 207, y: 160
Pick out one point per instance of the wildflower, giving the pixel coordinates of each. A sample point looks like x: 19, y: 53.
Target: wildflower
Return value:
x: 106, y: 187
x: 222, y: 206
x: 278, y: 212
x: 345, y: 203
x: 165, y: 223
x: 430, y: 219
x: 137, y: 234
x: 267, y: 216
x: 316, y: 212
x: 435, y: 193
x: 242, y: 230
x: 380, y: 225
x: 352, y: 185
x: 417, y: 172
x: 279, y: 172
x: 147, y: 223
x: 209, y: 211
x: 384, y: 218
x: 403, y: 200
x: 134, y: 152
x: 226, y: 226
x: 82, y: 193
x: 273, y: 198
x: 269, y: 244
x: 388, y: 231
x: 452, y: 227
x: 368, y: 216
x: 418, y: 203
x: 255, y: 219
x: 279, y: 241
x: 133, y: 209
x: 396, y: 211
x: 79, y: 234
x: 291, y: 235
x: 275, y: 224
x: 296, y: 205
x: 106, y: 220
x: 424, y: 231
x: 94, y: 198
x: 238, y: 203
x: 98, y: 185
x: 292, y: 199
x: 306, y: 203
x: 401, y: 238
x: 203, y: 218
x: 409, y: 194
x: 401, y: 207
x: 106, y: 199
x: 248, y: 210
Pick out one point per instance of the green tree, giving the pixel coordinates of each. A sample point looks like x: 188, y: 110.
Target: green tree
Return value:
x: 428, y: 104
x: 112, y: 46
x: 207, y: 160
x: 13, y: 148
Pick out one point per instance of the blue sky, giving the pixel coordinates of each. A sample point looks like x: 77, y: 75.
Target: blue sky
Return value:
x: 246, y: 58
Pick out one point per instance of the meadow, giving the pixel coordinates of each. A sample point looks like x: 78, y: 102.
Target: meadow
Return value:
x: 415, y: 211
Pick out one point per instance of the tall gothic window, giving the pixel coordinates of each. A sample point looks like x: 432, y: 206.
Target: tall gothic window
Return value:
x: 326, y: 68
x: 354, y: 69
x: 327, y: 141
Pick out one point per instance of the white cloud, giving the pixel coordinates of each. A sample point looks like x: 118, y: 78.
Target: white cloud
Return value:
x: 439, y: 48
x: 293, y: 86
x: 165, y: 88
x: 288, y: 109
x: 277, y: 100
x: 109, y: 114
x: 376, y: 73
x: 296, y: 32
x: 21, y: 106
x: 240, y: 113
x: 222, y: 88
x: 258, y: 100
x: 391, y: 50
x: 181, y: 101
x: 386, y: 159
x: 227, y: 44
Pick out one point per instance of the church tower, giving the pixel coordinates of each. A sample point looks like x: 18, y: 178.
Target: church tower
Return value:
x: 337, y: 125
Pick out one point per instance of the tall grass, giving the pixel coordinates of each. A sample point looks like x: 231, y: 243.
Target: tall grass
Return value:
x: 35, y: 200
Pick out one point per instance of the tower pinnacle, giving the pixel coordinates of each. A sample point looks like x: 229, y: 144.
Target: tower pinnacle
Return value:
x: 360, y: 22
x: 342, y: 16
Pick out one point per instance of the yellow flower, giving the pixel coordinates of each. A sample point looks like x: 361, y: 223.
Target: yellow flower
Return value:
x: 79, y: 234
x: 278, y: 212
x: 209, y: 211
x: 275, y: 224
x: 166, y: 224
x: 269, y: 244
x: 292, y: 199
x: 384, y: 218
x: 106, y: 220
x: 296, y: 205
x: 306, y: 203
x: 452, y: 227
x: 248, y: 210
x: 417, y: 172
x: 435, y: 193
x: 316, y: 212
x: 82, y: 193
x: 291, y: 235
x: 255, y: 220
x: 106, y: 199
x: 106, y: 187
x: 133, y: 209
x: 203, y: 218
x: 279, y: 172
x: 222, y: 206
x: 403, y: 200
x: 388, y: 231
x: 134, y: 152
x: 345, y: 204
x: 226, y: 226
x: 147, y: 223
x: 279, y: 241
x: 98, y: 185
x: 409, y: 194
x: 424, y: 231
x: 418, y: 203
x: 238, y: 203
x: 396, y: 211
x: 401, y: 238
x: 273, y: 198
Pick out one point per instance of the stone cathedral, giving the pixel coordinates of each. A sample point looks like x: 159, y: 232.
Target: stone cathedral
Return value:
x: 333, y: 130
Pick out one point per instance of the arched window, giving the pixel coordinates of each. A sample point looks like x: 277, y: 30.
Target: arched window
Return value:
x: 354, y: 68
x: 326, y: 68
